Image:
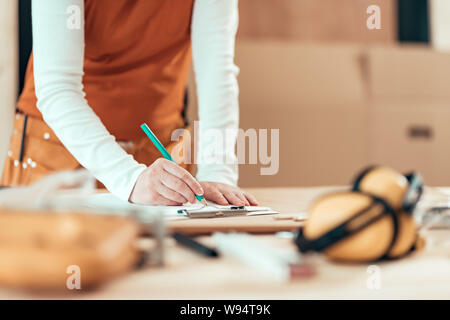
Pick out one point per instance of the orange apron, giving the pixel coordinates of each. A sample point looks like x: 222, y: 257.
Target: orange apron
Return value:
x: 37, y: 151
x: 137, y: 57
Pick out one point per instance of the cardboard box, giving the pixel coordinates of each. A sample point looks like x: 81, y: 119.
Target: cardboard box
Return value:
x: 340, y: 108
x: 408, y: 72
x: 315, y: 95
x: 316, y: 20
x: 317, y: 146
x: 409, y: 110
x: 412, y: 135
x: 291, y: 75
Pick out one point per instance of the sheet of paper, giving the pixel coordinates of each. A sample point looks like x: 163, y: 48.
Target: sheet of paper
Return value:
x: 110, y: 203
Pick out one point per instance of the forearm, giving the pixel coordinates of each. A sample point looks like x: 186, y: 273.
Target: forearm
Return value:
x: 58, y: 71
x: 214, y: 29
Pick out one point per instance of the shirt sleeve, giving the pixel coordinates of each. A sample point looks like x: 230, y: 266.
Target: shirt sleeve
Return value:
x: 58, y: 48
x: 214, y: 26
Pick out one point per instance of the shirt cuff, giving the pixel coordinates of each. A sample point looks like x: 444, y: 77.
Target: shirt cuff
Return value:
x: 122, y: 189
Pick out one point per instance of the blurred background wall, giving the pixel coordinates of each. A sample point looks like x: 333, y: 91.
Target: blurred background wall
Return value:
x: 315, y: 20
x: 344, y: 96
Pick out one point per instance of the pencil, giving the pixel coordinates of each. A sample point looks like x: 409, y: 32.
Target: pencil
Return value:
x: 194, y: 245
x: 164, y: 152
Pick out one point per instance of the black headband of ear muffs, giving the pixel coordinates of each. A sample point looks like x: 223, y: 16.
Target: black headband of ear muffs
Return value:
x: 344, y: 229
x: 413, y: 194
x: 360, y: 176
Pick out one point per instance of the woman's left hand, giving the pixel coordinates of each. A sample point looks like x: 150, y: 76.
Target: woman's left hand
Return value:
x: 225, y: 194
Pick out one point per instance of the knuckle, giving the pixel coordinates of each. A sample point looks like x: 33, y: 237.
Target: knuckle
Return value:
x: 159, y: 162
x: 151, y: 183
x: 185, y: 176
x: 152, y: 170
x: 217, y: 194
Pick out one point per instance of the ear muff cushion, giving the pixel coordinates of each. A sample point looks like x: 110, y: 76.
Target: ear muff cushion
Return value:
x: 406, y: 235
x: 368, y: 244
x: 391, y: 186
x: 385, y: 183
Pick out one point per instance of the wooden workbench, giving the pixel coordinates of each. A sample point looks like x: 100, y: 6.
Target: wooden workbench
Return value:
x: 424, y: 275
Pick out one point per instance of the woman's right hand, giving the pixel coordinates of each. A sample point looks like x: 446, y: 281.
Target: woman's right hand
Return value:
x: 165, y: 183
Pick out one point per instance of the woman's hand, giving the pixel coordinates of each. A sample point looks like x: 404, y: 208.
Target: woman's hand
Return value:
x: 224, y: 194
x: 165, y: 183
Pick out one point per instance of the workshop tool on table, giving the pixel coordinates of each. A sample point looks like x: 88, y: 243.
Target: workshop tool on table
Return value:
x: 47, y: 242
x: 277, y: 263
x: 194, y: 245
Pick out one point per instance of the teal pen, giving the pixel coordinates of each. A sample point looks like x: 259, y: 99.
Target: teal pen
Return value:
x: 163, y: 151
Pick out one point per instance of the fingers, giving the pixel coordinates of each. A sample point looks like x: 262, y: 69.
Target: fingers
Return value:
x: 184, y: 175
x: 241, y: 197
x: 170, y: 194
x: 233, y: 199
x: 178, y: 186
x: 216, y: 196
x: 251, y: 199
x: 225, y: 194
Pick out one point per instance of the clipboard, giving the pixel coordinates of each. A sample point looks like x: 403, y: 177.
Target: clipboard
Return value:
x: 264, y: 224
x: 213, y: 212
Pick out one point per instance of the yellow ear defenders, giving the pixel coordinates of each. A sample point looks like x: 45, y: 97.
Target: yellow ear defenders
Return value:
x: 372, y: 221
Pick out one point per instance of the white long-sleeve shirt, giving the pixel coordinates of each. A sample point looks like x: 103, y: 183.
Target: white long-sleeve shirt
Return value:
x: 58, y: 70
